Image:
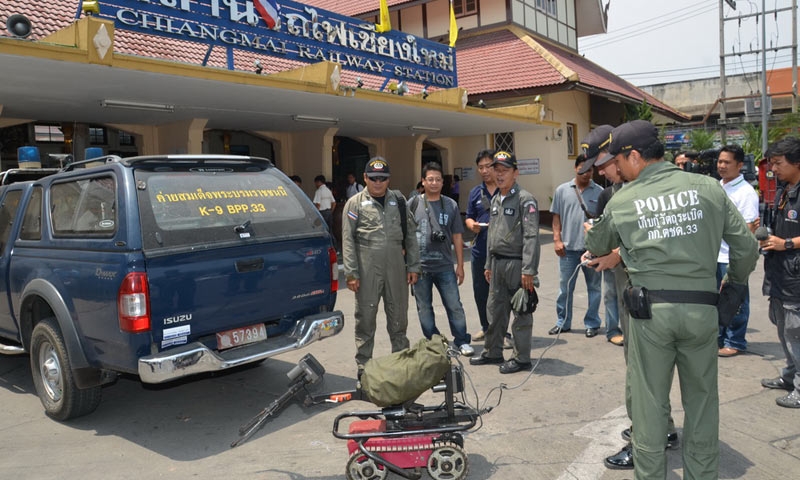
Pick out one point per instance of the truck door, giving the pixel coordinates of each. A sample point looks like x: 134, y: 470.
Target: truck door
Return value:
x: 9, y: 204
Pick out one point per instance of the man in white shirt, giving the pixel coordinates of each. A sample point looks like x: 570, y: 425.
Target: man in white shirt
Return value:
x: 323, y: 199
x: 729, y: 163
x: 353, y: 187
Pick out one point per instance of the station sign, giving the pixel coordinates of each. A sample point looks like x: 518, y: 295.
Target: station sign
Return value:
x: 289, y: 30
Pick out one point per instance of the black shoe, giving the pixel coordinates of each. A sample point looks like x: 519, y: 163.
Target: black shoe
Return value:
x: 777, y: 383
x: 672, y: 438
x: 622, y: 460
x: 789, y: 401
x: 591, y: 332
x: 555, y: 330
x: 513, y: 366
x: 484, y: 360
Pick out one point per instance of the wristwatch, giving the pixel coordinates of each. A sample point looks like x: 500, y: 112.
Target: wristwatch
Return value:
x: 789, y: 244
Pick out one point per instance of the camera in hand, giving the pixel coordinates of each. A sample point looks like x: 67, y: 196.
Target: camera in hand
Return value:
x: 438, y: 236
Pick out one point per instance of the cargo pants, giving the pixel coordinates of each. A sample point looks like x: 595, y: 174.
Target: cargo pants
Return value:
x: 682, y: 336
x: 506, y: 280
x: 382, y: 274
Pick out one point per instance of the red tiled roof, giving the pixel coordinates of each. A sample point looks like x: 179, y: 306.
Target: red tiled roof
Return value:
x: 501, y: 61
x: 595, y: 76
x: 351, y: 8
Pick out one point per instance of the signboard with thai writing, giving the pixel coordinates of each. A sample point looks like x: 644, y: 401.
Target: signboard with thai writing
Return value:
x: 289, y: 30
x: 528, y: 166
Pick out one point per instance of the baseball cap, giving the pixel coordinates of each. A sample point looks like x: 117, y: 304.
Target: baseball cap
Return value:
x: 598, y: 139
x: 504, y: 158
x: 377, y: 167
x: 635, y: 135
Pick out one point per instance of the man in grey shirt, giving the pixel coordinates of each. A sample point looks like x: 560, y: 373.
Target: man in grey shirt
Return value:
x: 439, y: 235
x: 573, y: 203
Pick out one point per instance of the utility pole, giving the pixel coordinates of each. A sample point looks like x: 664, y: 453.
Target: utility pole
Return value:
x: 723, y: 113
x: 764, y: 112
x: 794, y: 56
x: 764, y: 100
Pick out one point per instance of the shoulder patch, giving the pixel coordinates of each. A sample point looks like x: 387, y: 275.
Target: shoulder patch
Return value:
x: 352, y: 215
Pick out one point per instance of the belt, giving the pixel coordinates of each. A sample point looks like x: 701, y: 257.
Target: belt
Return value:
x: 683, y: 296
x: 505, y: 257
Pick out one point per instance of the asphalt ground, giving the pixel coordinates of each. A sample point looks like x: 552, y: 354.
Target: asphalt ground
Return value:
x: 559, y: 424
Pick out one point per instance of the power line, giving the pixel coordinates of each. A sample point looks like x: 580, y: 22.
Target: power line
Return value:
x: 642, y: 28
x: 712, y: 67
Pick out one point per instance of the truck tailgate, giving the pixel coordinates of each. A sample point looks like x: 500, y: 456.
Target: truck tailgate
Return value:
x: 196, y: 295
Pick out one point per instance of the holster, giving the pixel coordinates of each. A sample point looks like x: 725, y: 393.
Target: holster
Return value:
x: 731, y: 297
x: 637, y: 301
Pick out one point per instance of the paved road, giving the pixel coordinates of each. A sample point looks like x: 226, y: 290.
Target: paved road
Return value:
x: 558, y: 425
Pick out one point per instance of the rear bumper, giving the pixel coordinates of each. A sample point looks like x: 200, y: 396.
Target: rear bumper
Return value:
x: 197, y: 358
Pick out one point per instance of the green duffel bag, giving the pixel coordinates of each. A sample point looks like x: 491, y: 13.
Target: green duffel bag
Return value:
x: 405, y: 375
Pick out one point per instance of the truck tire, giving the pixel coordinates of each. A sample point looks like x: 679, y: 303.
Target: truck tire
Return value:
x: 52, y: 375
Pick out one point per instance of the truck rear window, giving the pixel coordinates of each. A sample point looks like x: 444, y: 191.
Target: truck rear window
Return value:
x: 188, y: 208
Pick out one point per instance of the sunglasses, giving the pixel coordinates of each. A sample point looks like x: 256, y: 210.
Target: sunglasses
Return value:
x: 378, y: 179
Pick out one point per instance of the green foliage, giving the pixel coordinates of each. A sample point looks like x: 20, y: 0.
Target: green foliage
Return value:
x: 701, y: 139
x: 642, y: 111
x: 753, y: 139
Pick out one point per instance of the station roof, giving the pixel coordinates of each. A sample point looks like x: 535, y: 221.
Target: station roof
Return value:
x: 43, y: 82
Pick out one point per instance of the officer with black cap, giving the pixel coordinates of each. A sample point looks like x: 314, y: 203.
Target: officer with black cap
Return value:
x: 616, y: 279
x: 512, y: 263
x: 669, y: 225
x: 596, y: 142
x: 380, y: 259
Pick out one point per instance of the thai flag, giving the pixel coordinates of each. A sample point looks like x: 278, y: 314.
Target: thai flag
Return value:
x: 269, y: 11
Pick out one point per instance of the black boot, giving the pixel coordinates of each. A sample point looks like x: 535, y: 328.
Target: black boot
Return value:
x: 622, y: 460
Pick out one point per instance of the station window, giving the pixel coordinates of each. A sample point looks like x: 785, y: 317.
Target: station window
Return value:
x: 465, y: 7
x: 572, y: 141
x: 48, y: 133
x: 549, y: 7
x: 97, y: 136
x: 504, y: 141
x: 126, y: 139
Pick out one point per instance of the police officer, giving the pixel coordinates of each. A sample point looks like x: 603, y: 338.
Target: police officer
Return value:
x: 380, y: 258
x: 512, y: 263
x: 669, y: 225
x: 782, y: 267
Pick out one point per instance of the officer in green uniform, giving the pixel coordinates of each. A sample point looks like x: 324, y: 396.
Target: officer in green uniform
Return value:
x: 512, y: 262
x: 669, y: 224
x: 380, y: 259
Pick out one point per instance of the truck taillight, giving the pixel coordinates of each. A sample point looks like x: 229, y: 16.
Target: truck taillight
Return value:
x: 133, y: 303
x: 334, y: 269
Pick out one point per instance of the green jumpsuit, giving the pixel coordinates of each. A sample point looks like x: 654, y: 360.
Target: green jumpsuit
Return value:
x: 372, y: 251
x: 669, y: 224
x: 513, y: 250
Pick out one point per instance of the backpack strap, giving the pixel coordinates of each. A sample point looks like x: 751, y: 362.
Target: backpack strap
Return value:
x: 401, y: 205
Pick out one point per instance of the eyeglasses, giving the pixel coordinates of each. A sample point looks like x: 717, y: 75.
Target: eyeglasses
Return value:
x: 434, y: 180
x: 378, y: 179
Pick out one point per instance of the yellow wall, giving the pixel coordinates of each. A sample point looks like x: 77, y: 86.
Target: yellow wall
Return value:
x: 555, y: 166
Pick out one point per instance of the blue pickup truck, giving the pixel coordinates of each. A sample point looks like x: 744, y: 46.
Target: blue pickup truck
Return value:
x: 161, y: 267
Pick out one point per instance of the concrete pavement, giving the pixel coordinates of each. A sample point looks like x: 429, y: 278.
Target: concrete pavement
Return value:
x: 558, y: 425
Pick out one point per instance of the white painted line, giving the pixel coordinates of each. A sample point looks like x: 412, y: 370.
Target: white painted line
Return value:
x: 606, y: 441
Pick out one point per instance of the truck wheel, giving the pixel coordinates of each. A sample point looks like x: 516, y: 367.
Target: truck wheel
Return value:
x: 52, y: 375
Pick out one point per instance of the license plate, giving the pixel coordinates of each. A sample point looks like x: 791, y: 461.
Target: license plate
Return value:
x: 241, y: 336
